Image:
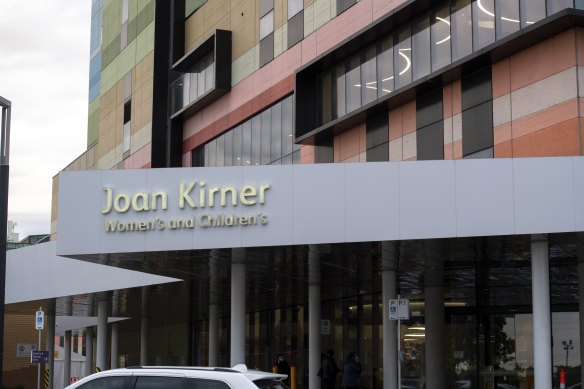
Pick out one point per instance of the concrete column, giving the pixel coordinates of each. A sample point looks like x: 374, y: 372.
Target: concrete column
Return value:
x: 389, y: 261
x: 542, y: 329
x: 314, y: 317
x: 144, y: 328
x: 89, y: 365
x: 115, y: 330
x: 580, y: 240
x: 214, y: 290
x: 51, y: 312
x: 101, y: 347
x: 434, y: 316
x: 67, y: 346
x: 238, y: 280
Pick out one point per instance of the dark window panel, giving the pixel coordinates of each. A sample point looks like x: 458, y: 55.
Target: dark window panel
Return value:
x: 429, y: 108
x: 343, y: 5
x: 477, y: 128
x: 246, y: 143
x: 378, y: 154
x: 324, y: 99
x: 441, y: 38
x: 220, y: 156
x: 287, y: 127
x: 256, y: 141
x: 276, y: 133
x: 296, y: 29
x: 421, y: 48
x: 369, y: 75
x: 266, y: 49
x: 340, y: 91
x: 476, y: 88
x: 377, y: 131
x: 483, y: 22
x: 237, y: 145
x: 508, y: 20
x: 385, y: 67
x: 324, y: 152
x: 430, y: 142
x: 127, y: 111
x: 198, y: 157
x: 461, y: 28
x: 353, y: 83
x: 265, y: 137
x: 206, y: 154
x: 228, y: 159
x: 212, y: 150
x: 402, y: 54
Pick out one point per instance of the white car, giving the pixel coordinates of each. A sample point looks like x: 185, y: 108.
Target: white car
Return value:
x: 182, y: 377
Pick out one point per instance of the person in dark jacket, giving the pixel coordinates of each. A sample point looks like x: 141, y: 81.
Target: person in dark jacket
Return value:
x: 282, y: 367
x: 352, y: 372
x: 329, y: 370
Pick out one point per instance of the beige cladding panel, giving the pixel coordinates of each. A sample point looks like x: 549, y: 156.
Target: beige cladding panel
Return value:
x: 193, y: 29
x: 244, y: 27
x: 278, y: 13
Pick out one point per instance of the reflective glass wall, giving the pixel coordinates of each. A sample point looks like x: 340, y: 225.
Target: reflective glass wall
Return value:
x: 265, y: 139
x: 446, y: 34
x: 193, y: 84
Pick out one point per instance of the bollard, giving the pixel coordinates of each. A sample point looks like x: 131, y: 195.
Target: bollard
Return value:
x: 562, y: 379
x: 274, y: 369
x: 292, y: 376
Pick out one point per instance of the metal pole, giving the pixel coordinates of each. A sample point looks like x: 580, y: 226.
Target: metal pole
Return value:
x: 4, y: 167
x: 38, y: 364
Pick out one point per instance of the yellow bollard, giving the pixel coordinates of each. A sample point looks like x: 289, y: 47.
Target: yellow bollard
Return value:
x: 293, y: 376
x: 274, y: 369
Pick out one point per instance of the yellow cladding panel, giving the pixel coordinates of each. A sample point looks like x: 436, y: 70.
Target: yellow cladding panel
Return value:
x: 245, y: 27
x: 213, y: 12
x: 278, y: 13
x: 193, y: 29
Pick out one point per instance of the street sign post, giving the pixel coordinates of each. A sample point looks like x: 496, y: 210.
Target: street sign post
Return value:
x: 399, y: 309
x: 39, y: 355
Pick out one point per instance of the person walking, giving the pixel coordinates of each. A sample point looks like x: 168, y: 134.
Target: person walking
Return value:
x: 328, y: 371
x: 352, y: 372
x: 283, y: 367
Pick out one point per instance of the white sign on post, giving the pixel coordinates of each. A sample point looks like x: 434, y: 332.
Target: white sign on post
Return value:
x: 399, y: 309
x: 40, y: 320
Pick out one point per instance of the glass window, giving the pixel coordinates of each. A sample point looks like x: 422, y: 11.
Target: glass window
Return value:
x: 197, y: 383
x: 580, y: 4
x: 421, y: 48
x: 124, y: 11
x: 154, y: 382
x: 403, y: 59
x: 554, y: 6
x: 267, y: 25
x: 186, y: 89
x: 228, y: 148
x: 237, y: 144
x: 440, y: 38
x: 212, y: 153
x: 193, y: 85
x: 353, y: 83
x: 507, y: 17
x: 531, y: 11
x: 126, y: 135
x: 206, y: 155
x: 265, y: 137
x: 220, y: 156
x: 256, y: 134
x: 385, y: 67
x: 287, y: 128
x: 276, y: 133
x: 461, y: 29
x: 324, y: 99
x: 200, y: 70
x: 483, y: 22
x: 294, y: 6
x: 246, y: 144
x: 369, y: 75
x: 198, y: 157
x: 209, y: 72
x: 106, y: 383
x: 340, y: 90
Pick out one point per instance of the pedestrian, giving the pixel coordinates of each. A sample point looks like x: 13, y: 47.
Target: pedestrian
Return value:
x: 328, y: 371
x: 282, y: 367
x: 352, y: 372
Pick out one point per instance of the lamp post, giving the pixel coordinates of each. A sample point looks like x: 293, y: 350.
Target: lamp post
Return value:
x: 4, y: 153
x: 567, y: 344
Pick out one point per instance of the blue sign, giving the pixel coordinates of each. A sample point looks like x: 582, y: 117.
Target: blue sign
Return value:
x: 39, y: 357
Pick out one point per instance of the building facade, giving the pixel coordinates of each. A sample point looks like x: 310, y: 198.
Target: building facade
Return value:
x: 220, y: 88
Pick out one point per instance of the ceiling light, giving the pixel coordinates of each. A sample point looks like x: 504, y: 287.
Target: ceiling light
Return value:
x: 482, y: 8
x: 509, y: 20
x: 408, y: 62
x: 415, y: 335
x: 418, y: 328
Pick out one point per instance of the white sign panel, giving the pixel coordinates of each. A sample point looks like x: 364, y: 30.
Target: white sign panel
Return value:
x: 40, y: 320
x: 23, y: 350
x: 145, y: 210
x: 399, y: 309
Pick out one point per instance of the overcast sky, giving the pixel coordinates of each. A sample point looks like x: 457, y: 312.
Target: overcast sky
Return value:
x: 44, y: 71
